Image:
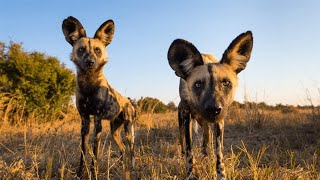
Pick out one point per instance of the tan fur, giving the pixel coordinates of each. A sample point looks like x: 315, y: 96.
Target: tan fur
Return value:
x: 95, y: 96
x: 207, y: 88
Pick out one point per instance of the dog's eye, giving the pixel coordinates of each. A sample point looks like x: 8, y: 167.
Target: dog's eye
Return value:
x: 97, y: 51
x: 226, y: 82
x: 81, y: 49
x: 198, y: 84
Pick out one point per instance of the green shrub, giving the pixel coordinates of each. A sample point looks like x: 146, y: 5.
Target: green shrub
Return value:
x: 38, y: 83
x: 151, y: 105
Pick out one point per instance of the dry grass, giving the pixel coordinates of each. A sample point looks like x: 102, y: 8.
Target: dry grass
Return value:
x: 258, y: 145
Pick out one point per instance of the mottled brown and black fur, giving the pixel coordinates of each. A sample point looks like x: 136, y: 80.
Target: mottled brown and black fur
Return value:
x: 94, y: 95
x: 207, y: 89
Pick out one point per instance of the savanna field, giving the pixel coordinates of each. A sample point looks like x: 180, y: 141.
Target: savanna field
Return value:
x: 260, y: 143
x: 40, y: 132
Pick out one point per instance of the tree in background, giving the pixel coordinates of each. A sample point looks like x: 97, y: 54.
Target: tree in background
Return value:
x: 33, y: 83
x: 151, y: 105
x: 171, y: 106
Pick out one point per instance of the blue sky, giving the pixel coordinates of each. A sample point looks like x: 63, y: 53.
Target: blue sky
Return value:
x: 284, y: 65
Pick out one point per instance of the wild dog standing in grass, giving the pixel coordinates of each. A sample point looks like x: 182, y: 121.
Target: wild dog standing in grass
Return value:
x: 95, y: 96
x: 207, y: 89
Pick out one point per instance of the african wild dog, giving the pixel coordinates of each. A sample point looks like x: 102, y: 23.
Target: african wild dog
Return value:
x: 95, y: 96
x: 207, y: 88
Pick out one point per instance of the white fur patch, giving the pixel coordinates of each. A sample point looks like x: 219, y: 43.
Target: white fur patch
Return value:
x: 187, y: 65
x: 195, y: 126
x: 132, y: 131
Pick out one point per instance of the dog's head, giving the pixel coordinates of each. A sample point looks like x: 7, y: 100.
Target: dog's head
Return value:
x: 89, y: 54
x: 211, y: 86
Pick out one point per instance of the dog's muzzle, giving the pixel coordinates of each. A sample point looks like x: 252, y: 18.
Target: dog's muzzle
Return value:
x: 213, y: 109
x: 89, y: 62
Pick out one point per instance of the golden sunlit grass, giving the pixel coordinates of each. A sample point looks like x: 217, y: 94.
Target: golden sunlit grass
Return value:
x: 259, y: 144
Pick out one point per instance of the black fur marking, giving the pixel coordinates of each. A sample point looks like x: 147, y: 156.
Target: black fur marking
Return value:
x: 96, y: 100
x: 198, y: 88
x: 89, y: 42
x: 211, y: 80
x: 218, y: 131
x: 81, y: 51
x: 208, y: 93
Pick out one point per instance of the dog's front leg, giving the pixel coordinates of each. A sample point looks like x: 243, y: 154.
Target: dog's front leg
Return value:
x: 186, y: 138
x: 207, y: 137
x: 184, y: 117
x: 96, y: 145
x: 182, y: 132
x: 219, y: 132
x: 85, y: 128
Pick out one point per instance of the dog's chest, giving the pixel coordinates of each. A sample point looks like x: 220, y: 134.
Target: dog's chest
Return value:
x: 98, y: 101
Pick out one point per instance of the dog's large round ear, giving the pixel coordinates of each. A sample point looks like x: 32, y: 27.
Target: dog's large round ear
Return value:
x: 105, y: 32
x: 239, y: 51
x: 183, y: 57
x: 73, y: 30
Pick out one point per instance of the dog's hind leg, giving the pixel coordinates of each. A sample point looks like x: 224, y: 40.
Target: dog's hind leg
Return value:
x: 85, y: 128
x: 219, y: 133
x: 129, y: 151
x: 116, y: 133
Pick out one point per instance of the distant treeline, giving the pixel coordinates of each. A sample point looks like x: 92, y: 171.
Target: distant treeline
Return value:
x: 153, y: 105
x: 263, y: 105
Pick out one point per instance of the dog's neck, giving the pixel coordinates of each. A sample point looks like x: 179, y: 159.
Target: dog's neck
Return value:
x: 91, y: 77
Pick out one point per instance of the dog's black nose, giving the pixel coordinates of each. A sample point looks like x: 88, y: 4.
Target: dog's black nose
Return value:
x: 89, y: 62
x: 211, y: 108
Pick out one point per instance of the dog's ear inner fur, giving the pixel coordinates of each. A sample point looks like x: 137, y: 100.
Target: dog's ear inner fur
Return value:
x: 73, y: 30
x: 183, y: 57
x: 239, y: 51
x: 105, y: 32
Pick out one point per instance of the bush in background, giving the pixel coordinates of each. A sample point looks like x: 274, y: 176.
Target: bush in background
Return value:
x: 32, y: 83
x: 154, y: 105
